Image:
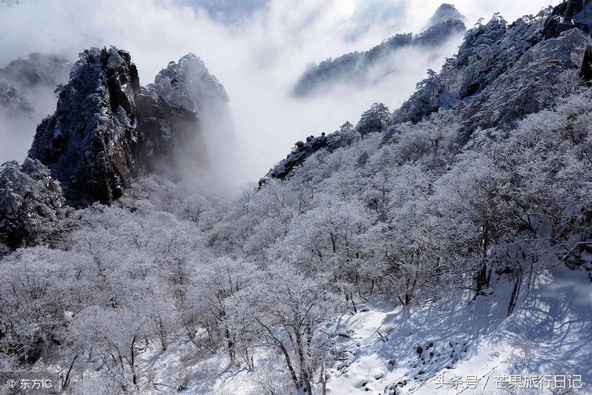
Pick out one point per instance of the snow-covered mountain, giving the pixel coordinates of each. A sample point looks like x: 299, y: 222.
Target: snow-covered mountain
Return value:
x: 443, y: 247
x: 367, y: 68
x: 501, y: 73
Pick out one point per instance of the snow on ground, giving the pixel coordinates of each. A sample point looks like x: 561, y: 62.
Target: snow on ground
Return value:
x: 459, y: 346
x: 451, y: 346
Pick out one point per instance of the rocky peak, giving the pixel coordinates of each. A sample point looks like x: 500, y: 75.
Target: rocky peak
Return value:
x: 107, y: 129
x: 173, y: 112
x: 572, y: 9
x: 90, y: 142
x: 445, y: 13
x: 188, y: 84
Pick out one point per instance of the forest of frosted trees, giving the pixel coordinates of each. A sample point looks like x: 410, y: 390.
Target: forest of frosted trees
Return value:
x: 482, y: 178
x: 406, y: 219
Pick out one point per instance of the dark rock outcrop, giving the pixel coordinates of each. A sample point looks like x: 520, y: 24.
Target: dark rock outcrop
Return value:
x: 31, y: 205
x: 90, y: 143
x: 303, y: 150
x: 165, y: 131
x: 446, y: 12
x: 569, y: 15
x: 367, y: 68
x: 375, y: 120
x: 586, y: 69
x: 107, y: 129
x: 530, y: 85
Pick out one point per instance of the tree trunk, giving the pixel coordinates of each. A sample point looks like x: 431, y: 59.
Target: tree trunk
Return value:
x: 66, y: 380
x: 515, y: 294
x: 323, y: 379
x: 230, y: 345
x: 304, y: 381
x: 481, y: 279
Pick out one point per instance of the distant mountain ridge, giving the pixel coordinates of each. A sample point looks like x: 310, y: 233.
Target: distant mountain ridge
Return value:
x: 23, y: 78
x: 367, y: 68
x: 501, y: 73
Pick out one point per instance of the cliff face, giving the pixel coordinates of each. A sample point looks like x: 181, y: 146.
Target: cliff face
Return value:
x: 107, y: 129
x: 90, y: 142
x: 566, y: 16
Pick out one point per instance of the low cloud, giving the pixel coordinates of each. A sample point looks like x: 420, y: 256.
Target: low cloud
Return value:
x: 257, y: 58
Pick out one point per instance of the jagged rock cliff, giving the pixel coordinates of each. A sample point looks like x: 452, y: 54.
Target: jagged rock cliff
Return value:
x: 566, y: 16
x: 367, y: 68
x: 107, y: 129
x: 90, y: 142
x: 187, y: 84
x: 31, y: 205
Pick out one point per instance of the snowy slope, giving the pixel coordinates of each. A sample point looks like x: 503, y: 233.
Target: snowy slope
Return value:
x: 544, y: 336
x: 423, y: 351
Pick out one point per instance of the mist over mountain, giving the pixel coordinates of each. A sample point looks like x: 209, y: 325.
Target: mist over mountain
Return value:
x: 27, y: 95
x: 440, y: 241
x: 272, y: 47
x: 228, y: 11
x: 361, y: 69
